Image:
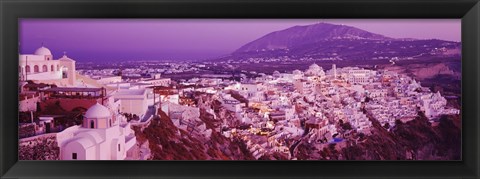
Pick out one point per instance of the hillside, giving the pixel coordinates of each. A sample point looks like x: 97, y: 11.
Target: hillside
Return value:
x: 332, y: 41
x: 302, y: 35
x: 167, y: 142
x: 414, y: 140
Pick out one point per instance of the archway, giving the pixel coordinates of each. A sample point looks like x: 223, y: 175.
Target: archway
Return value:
x: 36, y: 69
x: 27, y: 69
x: 64, y: 72
x: 52, y: 68
x: 44, y: 68
x: 92, y: 124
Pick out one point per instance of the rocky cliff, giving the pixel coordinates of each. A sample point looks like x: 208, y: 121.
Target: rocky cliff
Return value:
x: 167, y: 142
x: 414, y: 140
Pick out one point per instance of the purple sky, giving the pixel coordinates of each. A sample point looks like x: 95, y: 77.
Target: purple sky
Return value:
x: 156, y: 39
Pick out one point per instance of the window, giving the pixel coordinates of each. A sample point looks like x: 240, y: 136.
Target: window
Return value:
x: 52, y: 68
x: 74, y: 156
x: 92, y: 124
x: 44, y: 68
x: 36, y: 69
x: 27, y: 69
x: 119, y: 147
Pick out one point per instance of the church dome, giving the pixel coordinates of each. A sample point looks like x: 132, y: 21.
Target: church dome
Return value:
x: 43, y: 51
x: 97, y: 111
x: 314, y: 67
x: 297, y: 72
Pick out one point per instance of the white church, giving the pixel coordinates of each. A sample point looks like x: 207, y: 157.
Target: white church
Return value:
x: 41, y: 67
x: 314, y: 70
x: 102, y: 136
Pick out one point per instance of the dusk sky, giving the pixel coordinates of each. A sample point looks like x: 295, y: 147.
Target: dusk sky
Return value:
x: 157, y: 39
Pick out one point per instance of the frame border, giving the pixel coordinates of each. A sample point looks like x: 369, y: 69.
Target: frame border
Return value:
x: 467, y: 10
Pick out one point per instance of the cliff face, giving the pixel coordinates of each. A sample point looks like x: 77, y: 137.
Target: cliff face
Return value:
x: 414, y: 140
x: 167, y: 142
x: 422, y: 71
x: 444, y: 77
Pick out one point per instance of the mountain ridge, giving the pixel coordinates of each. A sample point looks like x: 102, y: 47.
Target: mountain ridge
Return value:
x: 331, y: 41
x: 307, y: 34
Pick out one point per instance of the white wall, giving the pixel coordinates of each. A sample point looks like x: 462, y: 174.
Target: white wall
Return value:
x: 28, y: 104
x: 82, y: 153
x: 134, y: 106
x: 111, y: 79
x: 45, y: 76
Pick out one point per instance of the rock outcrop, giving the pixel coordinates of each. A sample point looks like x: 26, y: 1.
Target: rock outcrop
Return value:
x: 414, y: 140
x: 167, y: 142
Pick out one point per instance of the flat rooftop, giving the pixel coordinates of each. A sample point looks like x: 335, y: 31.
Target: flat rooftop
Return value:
x: 35, y: 85
x: 64, y: 89
x: 130, y: 92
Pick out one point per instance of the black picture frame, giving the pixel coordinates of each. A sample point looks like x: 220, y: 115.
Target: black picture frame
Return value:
x: 467, y: 10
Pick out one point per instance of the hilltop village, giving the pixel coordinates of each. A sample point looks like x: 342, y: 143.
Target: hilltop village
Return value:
x: 67, y: 114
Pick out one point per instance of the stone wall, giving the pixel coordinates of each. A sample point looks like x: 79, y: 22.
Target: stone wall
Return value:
x: 42, y: 147
x: 26, y: 130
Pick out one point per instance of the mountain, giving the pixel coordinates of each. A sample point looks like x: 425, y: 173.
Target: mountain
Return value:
x: 302, y: 35
x: 324, y: 40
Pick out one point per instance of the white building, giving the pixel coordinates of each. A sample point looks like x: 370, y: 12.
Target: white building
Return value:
x: 251, y: 91
x: 297, y: 74
x: 101, y: 137
x: 41, y: 67
x: 134, y: 101
x: 304, y: 86
x: 107, y: 79
x: 231, y: 103
x: 375, y: 93
x: 334, y: 69
x: 314, y: 70
x: 28, y: 103
x: 433, y: 104
x: 360, y: 76
x: 157, y: 81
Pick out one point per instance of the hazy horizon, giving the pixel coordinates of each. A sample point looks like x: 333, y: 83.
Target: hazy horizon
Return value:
x: 191, y: 39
